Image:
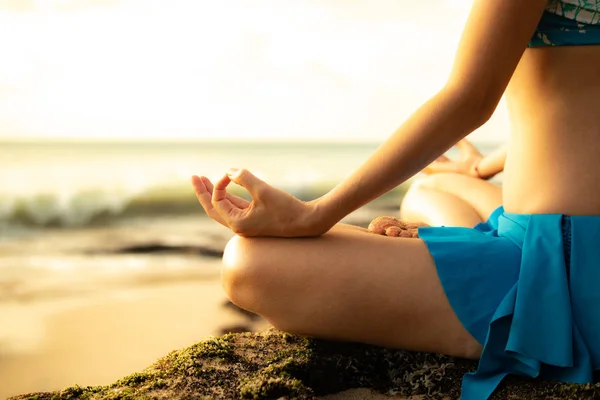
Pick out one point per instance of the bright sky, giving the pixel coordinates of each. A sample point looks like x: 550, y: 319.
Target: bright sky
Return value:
x: 297, y: 69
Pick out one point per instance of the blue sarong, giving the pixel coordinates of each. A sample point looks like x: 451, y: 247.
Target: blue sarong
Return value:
x: 527, y: 287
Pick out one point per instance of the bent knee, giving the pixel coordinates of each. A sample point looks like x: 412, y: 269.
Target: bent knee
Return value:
x: 255, y: 278
x: 246, y: 274
x: 418, y: 192
x: 412, y: 202
x: 238, y: 270
x: 438, y: 181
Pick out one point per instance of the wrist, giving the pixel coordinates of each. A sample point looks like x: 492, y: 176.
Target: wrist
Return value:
x: 319, y: 218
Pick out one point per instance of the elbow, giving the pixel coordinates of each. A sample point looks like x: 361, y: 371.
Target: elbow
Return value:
x: 476, y: 105
x: 482, y: 110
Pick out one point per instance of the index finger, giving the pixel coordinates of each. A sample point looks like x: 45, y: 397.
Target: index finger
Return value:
x: 220, y: 201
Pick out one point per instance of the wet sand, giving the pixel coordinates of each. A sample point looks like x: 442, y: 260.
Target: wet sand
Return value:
x: 96, y: 344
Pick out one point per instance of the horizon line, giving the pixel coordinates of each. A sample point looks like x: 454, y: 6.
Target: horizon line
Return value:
x: 48, y: 140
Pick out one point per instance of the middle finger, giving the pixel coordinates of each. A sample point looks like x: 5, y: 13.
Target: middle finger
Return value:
x: 205, y: 198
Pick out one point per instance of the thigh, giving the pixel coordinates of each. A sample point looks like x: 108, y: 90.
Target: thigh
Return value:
x: 483, y: 196
x: 349, y: 285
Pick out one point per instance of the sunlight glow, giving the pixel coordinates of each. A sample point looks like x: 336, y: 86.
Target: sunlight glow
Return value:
x: 461, y: 4
x: 204, y: 69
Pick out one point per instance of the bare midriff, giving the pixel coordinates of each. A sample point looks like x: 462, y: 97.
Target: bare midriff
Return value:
x: 553, y: 165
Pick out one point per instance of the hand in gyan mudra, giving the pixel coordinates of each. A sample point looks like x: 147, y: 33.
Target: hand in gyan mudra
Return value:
x: 465, y: 164
x: 272, y: 212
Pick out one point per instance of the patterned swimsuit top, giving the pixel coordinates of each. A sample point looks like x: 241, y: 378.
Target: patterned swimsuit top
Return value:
x: 568, y: 23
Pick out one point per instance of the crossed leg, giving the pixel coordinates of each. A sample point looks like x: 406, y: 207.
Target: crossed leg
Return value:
x: 451, y: 200
x: 348, y: 285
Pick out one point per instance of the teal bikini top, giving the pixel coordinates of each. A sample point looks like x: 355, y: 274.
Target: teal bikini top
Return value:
x: 568, y: 23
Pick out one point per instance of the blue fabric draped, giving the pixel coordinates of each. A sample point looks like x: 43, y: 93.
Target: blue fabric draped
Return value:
x: 509, y: 284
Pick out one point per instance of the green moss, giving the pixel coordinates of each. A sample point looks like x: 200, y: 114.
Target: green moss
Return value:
x: 135, y: 379
x: 216, y: 348
x: 189, y: 361
x: 268, y: 387
x: 157, y: 383
x: 275, y: 364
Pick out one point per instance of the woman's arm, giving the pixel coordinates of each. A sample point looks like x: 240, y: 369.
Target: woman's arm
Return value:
x: 493, y: 41
x: 493, y: 163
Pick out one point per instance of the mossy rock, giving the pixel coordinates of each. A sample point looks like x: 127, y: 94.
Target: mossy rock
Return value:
x: 273, y: 364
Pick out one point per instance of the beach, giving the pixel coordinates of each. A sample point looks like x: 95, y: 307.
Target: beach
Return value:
x: 88, y: 306
x: 96, y: 344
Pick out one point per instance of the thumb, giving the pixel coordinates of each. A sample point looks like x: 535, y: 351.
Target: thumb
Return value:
x: 246, y: 179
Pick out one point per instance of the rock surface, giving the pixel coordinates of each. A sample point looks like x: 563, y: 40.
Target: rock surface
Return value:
x: 273, y: 364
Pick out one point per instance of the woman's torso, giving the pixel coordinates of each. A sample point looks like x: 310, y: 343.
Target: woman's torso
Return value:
x: 553, y: 165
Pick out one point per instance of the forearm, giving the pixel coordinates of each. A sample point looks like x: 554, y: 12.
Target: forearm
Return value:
x: 493, y: 163
x: 428, y: 133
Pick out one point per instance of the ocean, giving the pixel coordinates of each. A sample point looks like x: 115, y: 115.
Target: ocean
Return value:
x: 76, y: 184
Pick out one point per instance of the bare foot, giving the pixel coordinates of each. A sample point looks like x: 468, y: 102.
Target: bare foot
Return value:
x: 392, y: 226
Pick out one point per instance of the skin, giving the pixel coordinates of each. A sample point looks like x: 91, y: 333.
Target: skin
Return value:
x: 293, y: 264
x: 456, y: 192
x: 450, y: 199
